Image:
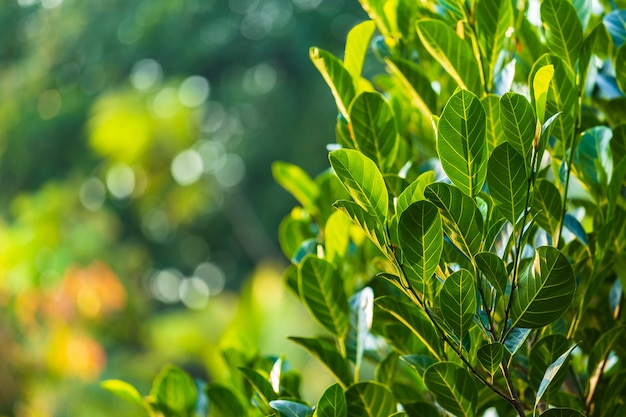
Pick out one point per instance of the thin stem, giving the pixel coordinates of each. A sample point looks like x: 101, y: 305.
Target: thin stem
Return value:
x: 512, y: 392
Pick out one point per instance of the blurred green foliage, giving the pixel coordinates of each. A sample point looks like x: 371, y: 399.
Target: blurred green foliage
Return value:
x: 135, y: 144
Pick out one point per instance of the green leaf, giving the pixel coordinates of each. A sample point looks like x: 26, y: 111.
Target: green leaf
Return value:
x: 546, y: 206
x: 174, y: 391
x: 515, y: 339
x: 357, y: 42
x: 421, y: 409
x: 421, y: 240
x: 615, y: 23
x: 542, y: 355
x: 416, y: 85
x: 506, y: 177
x: 363, y: 181
x: 294, y: 229
x: 261, y: 386
x: 368, y: 223
x: 415, y: 319
x: 562, y: 97
x: 562, y: 412
x: 361, y: 314
x: 550, y: 374
x: 541, y: 84
x: 602, y: 347
x: 370, y: 399
x: 494, y: 270
x: 291, y: 408
x: 224, y: 402
x: 493, y: 19
x: 490, y: 356
x: 337, y: 237
x: 322, y: 292
x: 374, y: 129
x: 124, y: 390
x: 418, y: 362
x: 332, y: 403
x: 545, y: 289
x: 327, y: 353
x: 493, y: 132
x: 563, y: 30
x: 453, y: 387
x: 519, y: 124
x: 620, y: 68
x: 457, y: 301
x: 461, y: 143
x: 453, y: 54
x: 386, y: 369
x: 462, y: 221
x: 594, y: 155
x: 414, y: 192
x: 336, y: 76
x: 293, y: 179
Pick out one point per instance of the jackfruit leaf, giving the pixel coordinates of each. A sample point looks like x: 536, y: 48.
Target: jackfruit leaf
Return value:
x: 545, y: 289
x: 336, y: 76
x: 494, y: 270
x: 297, y: 182
x: 453, y: 387
x: 327, y: 353
x: 457, y: 301
x: 357, y: 42
x: 506, y: 177
x: 461, y: 142
x: 519, y: 124
x: 332, y: 403
x: 563, y: 30
x: 490, y: 357
x: 369, y: 399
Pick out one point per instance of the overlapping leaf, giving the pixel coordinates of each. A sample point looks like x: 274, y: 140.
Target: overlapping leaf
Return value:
x: 363, y: 181
x: 453, y: 387
x: 494, y: 134
x: 357, y: 42
x: 563, y: 30
x: 493, y: 20
x: 421, y: 239
x: 336, y: 76
x: 416, y: 84
x: 490, y: 356
x: 494, y: 270
x: 224, y: 402
x: 543, y: 354
x: 506, y: 177
x: 370, y: 399
x: 453, y: 53
x: 329, y: 356
x: 414, y: 192
x: 462, y: 222
x: 519, y: 124
x: 368, y: 223
x: 545, y: 289
x: 620, y: 68
x: 550, y: 376
x: 332, y: 403
x: 322, y: 292
x: 461, y: 142
x: 457, y: 302
x: 546, y: 206
x: 297, y: 182
x: 374, y: 128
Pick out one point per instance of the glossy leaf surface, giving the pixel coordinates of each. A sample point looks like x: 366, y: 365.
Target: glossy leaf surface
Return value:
x: 458, y: 302
x: 369, y: 399
x: 332, y: 403
x: 453, y: 388
x: 336, y: 76
x: 506, y: 178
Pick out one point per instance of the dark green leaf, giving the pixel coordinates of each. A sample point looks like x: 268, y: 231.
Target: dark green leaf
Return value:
x: 546, y: 206
x: 322, y: 292
x: 461, y: 143
x: 386, y: 369
x: 563, y: 31
x: 417, y: 85
x: 493, y: 20
x: 494, y: 270
x: 223, y: 402
x: 620, y: 68
x: 291, y: 408
x: 545, y: 289
x: 551, y: 373
x: 374, y: 129
x: 336, y: 76
x: 490, y: 356
x: 362, y: 179
x: 462, y: 221
x: 332, y: 403
x: 602, y: 347
x: 293, y: 179
x: 506, y: 177
x: 543, y: 354
x: 174, y: 391
x: 457, y: 301
x: 357, y: 42
x: 418, y: 362
x: 453, y: 387
x: 562, y: 412
x: 329, y: 356
x: 519, y: 124
x: 421, y: 240
x: 453, y: 54
x: 369, y: 399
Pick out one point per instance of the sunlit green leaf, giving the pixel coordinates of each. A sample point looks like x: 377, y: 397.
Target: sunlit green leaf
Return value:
x: 337, y: 237
x: 297, y: 182
x: 453, y: 53
x: 414, y: 192
x: 123, y: 390
x: 545, y: 289
x: 563, y: 31
x: 357, y: 42
x: 293, y: 231
x: 594, y: 155
x: 546, y: 206
x: 494, y: 270
x: 332, y: 403
x: 493, y: 19
x: 508, y: 185
x: 519, y: 124
x: 322, y: 292
x: 421, y: 239
x: 374, y: 129
x: 328, y: 354
x: 368, y: 223
x: 453, y: 387
x: 541, y: 84
x: 417, y: 85
x: 462, y: 221
x: 369, y: 399
x: 457, y: 301
x: 174, y: 391
x: 494, y: 134
x: 361, y: 177
x: 336, y: 76
x: 490, y: 356
x: 461, y: 143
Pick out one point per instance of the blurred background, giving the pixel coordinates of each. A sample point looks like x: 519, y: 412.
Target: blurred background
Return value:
x: 138, y: 215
